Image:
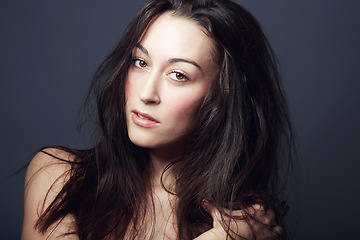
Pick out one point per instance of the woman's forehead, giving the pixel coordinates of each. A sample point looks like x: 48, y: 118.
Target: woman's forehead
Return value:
x: 178, y: 36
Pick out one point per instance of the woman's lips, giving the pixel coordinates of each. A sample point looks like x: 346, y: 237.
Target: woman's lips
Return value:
x: 143, y: 119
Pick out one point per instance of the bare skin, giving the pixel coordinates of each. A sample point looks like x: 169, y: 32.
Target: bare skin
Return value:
x: 167, y: 66
x: 46, y: 173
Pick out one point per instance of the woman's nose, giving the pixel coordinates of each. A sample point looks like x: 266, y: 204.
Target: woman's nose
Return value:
x: 149, y: 92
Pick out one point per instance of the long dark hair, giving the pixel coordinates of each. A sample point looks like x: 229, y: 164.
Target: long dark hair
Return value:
x: 232, y: 159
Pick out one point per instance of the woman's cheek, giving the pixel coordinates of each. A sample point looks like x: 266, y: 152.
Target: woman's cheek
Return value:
x: 182, y: 108
x: 128, y: 88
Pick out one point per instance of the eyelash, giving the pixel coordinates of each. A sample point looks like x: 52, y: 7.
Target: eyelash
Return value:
x: 136, y: 62
x: 184, y: 76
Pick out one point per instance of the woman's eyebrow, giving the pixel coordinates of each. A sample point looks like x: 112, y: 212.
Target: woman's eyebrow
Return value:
x: 175, y: 60
x: 142, y: 48
x: 172, y: 60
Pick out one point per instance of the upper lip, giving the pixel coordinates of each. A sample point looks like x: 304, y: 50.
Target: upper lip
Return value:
x: 145, y: 115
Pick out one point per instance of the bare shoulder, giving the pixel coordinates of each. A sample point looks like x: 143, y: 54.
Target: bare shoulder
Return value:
x: 48, y: 168
x: 46, y: 175
x: 50, y: 156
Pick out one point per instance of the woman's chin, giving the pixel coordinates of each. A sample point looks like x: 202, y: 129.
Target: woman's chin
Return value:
x: 145, y: 142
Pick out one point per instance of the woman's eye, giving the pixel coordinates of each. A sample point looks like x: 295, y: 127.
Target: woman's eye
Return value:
x: 140, y: 63
x: 178, y: 76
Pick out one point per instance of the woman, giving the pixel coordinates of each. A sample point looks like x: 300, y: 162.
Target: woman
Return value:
x: 192, y: 125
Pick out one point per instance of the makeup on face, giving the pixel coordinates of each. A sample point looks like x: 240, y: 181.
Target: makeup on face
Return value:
x: 143, y: 119
x: 172, y: 71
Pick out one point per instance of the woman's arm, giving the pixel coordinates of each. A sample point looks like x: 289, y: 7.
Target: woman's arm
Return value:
x: 262, y: 231
x: 45, y: 177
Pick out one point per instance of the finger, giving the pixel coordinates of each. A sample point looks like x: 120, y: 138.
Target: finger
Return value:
x: 267, y: 233
x: 213, y: 211
x: 255, y: 208
x: 275, y: 233
x: 207, y: 205
x: 279, y: 230
x: 235, y: 213
x: 258, y: 212
x: 267, y: 217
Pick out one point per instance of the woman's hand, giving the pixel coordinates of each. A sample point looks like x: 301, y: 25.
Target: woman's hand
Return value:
x: 262, y: 228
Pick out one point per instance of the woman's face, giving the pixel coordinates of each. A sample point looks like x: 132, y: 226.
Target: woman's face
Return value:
x: 172, y: 70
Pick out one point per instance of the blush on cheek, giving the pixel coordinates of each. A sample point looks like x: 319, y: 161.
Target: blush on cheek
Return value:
x: 183, y: 110
x: 128, y: 91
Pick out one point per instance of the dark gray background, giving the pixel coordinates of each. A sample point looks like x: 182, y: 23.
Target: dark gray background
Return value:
x: 50, y: 49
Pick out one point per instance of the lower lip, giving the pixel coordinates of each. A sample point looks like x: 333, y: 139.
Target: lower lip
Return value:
x: 142, y: 122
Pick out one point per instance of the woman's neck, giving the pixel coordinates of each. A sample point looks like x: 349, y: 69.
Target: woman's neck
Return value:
x: 159, y: 160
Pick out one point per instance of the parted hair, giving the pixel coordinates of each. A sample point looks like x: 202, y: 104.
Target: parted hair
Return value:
x: 236, y: 156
